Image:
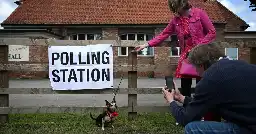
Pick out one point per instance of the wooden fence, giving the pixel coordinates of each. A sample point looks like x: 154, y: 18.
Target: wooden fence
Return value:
x: 132, y: 69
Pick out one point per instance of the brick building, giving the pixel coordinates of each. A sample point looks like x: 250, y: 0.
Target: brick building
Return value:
x: 121, y: 19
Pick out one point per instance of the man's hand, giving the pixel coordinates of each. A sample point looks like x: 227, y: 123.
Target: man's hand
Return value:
x: 169, y: 96
x: 178, y: 96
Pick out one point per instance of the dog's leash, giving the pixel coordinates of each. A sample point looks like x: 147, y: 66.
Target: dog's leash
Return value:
x: 118, y: 87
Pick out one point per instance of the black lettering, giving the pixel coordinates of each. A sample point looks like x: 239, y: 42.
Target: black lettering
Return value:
x: 64, y: 70
x: 106, y: 74
x: 64, y: 54
x: 81, y: 74
x: 72, y: 59
x: 80, y: 62
x: 56, y: 76
x: 72, y: 75
x: 88, y: 58
x: 97, y: 77
x: 103, y: 57
x: 96, y: 57
x: 88, y: 74
x: 19, y: 56
x: 55, y: 56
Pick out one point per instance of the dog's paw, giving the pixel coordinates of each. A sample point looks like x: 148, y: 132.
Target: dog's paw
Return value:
x: 112, y: 126
x: 103, y: 128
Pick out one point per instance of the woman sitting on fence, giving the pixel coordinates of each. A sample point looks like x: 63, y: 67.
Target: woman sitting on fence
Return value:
x: 192, y: 27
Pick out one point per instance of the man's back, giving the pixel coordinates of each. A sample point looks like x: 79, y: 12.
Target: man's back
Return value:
x: 235, y: 83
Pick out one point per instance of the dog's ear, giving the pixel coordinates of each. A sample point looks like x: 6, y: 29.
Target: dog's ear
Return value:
x: 107, y: 103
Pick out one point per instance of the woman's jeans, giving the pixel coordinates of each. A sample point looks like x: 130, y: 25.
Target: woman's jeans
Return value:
x: 186, y: 84
x: 211, y: 127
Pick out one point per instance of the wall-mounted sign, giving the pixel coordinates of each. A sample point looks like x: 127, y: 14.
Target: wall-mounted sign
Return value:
x: 18, y: 53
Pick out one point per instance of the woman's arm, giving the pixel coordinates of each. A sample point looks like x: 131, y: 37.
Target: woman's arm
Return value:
x: 169, y: 30
x: 208, y: 27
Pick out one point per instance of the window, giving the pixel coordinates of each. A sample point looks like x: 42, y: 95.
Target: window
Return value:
x: 175, y: 51
x: 232, y: 53
x: 85, y: 37
x: 123, y: 51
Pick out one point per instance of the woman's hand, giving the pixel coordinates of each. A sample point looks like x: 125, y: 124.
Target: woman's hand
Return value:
x: 140, y: 47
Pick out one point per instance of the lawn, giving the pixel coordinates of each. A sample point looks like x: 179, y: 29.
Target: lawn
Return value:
x: 146, y: 123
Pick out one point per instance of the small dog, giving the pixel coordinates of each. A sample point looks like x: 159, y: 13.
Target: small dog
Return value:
x: 108, y: 115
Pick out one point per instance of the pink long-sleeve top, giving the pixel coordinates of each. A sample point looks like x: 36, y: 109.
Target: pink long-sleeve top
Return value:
x: 200, y: 28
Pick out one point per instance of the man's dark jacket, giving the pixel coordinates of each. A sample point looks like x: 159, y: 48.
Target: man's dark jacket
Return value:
x: 227, y: 87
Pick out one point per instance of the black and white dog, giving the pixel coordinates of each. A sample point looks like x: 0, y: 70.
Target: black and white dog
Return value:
x: 108, y: 115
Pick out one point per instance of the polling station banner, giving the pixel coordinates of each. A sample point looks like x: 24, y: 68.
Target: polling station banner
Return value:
x: 81, y: 67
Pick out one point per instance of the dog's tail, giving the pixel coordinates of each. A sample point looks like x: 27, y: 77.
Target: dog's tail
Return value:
x: 92, y: 116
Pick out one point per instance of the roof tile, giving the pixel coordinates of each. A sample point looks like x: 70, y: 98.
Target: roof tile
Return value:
x: 103, y: 12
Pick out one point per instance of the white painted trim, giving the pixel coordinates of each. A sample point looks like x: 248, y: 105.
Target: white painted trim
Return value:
x: 237, y: 53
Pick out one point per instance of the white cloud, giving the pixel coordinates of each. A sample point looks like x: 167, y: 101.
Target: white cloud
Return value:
x: 6, y: 8
x: 252, y: 26
x: 233, y: 7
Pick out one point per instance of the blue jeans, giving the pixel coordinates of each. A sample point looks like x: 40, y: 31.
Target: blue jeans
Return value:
x: 211, y: 127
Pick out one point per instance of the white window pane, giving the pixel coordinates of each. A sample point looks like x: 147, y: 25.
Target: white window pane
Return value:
x: 149, y: 37
x: 147, y: 52
x: 123, y: 37
x: 98, y: 36
x: 122, y: 50
x: 81, y: 36
x: 131, y: 36
x: 140, y: 37
x: 175, y: 51
x: 90, y: 36
x: 74, y: 37
x: 232, y: 53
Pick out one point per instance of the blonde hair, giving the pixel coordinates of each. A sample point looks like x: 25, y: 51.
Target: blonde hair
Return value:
x: 205, y: 54
x: 174, y: 5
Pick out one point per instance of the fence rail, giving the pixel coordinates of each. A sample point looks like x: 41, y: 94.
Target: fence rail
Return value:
x: 85, y: 91
x: 45, y: 67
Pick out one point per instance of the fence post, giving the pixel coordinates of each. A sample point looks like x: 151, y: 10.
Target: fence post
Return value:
x: 4, y: 82
x: 132, y: 83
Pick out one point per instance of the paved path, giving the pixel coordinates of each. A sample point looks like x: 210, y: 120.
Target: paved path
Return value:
x: 84, y: 100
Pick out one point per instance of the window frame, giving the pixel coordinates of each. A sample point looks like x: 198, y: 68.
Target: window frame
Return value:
x: 85, y: 34
x: 237, y: 52
x: 136, y: 39
x: 175, y: 55
x: 119, y: 51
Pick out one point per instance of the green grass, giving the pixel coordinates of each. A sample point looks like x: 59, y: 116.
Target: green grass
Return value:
x: 145, y: 123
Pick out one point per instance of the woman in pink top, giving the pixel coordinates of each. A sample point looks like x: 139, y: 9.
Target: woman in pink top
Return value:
x: 192, y: 27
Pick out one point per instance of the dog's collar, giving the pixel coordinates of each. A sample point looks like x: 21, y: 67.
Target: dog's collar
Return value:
x: 112, y: 115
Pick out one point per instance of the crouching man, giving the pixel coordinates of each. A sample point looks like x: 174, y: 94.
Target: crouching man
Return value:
x: 227, y: 87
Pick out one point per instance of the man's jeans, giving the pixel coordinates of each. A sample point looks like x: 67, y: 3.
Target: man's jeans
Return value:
x: 211, y: 127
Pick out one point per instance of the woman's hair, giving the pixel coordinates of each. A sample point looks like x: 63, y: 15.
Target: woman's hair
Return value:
x: 205, y: 54
x: 174, y: 5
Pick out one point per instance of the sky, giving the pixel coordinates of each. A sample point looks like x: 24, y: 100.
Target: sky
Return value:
x: 239, y: 7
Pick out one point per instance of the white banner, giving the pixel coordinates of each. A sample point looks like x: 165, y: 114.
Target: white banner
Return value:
x: 18, y: 53
x: 81, y: 67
